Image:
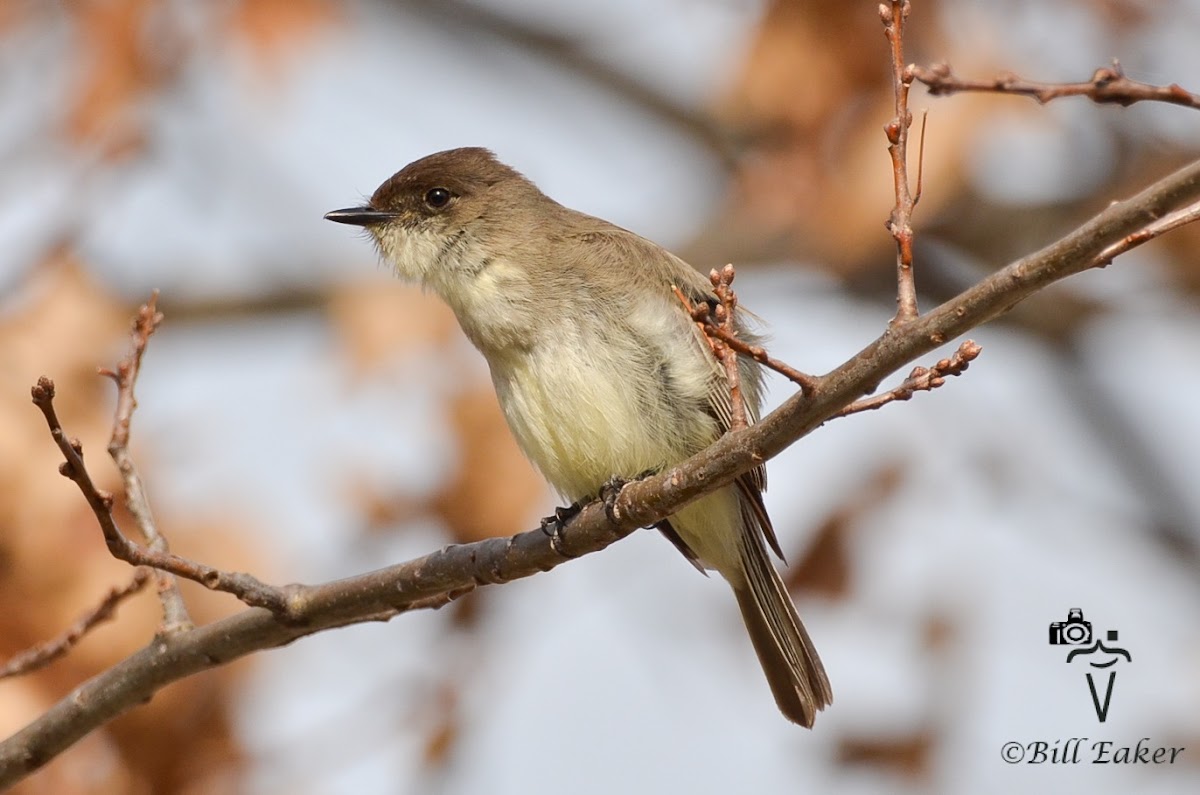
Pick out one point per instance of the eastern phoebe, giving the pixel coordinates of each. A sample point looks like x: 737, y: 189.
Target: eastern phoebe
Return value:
x: 599, y: 369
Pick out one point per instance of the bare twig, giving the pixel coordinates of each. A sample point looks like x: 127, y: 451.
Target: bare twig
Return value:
x: 45, y: 653
x: 921, y: 379
x: 1152, y: 230
x: 245, y: 587
x: 921, y: 159
x: 427, y: 582
x: 711, y: 330
x: 722, y: 282
x: 175, y: 613
x: 893, y: 15
x: 1108, y: 85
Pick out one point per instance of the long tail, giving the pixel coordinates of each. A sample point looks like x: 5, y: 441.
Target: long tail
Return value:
x: 784, y: 649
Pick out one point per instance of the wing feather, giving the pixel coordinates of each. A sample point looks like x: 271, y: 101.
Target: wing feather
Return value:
x: 665, y: 271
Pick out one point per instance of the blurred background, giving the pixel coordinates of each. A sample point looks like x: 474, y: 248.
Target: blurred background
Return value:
x: 303, y: 416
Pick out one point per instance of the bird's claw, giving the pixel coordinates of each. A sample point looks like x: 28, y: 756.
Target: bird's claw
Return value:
x: 609, y: 493
x: 553, y: 526
x: 611, y: 490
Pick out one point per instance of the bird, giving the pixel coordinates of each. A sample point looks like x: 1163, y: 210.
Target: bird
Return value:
x: 599, y: 369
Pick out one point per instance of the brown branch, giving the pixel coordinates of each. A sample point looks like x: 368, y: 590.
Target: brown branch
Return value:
x: 243, y: 586
x: 722, y: 282
x: 1152, y: 230
x: 711, y: 330
x: 921, y: 379
x: 1108, y: 85
x: 429, y: 581
x: 175, y: 613
x: 921, y: 159
x: 806, y: 382
x: 893, y: 14
x: 43, y: 654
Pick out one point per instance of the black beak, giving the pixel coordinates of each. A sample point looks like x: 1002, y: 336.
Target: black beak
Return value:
x: 360, y: 216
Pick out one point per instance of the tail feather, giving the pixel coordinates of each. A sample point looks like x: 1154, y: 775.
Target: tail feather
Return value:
x: 789, y: 660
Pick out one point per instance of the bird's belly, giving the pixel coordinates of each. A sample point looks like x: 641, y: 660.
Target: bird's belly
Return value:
x: 581, y: 421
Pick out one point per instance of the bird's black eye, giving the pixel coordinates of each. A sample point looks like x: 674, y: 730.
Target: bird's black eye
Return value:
x: 438, y: 197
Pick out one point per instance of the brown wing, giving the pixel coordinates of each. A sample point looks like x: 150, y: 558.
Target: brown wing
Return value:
x: 720, y: 402
x: 672, y: 535
x: 696, y: 288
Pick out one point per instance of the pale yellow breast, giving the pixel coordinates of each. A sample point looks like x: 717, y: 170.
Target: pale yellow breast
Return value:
x: 583, y: 414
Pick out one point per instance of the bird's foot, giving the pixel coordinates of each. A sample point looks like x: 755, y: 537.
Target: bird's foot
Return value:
x: 611, y: 490
x: 553, y: 526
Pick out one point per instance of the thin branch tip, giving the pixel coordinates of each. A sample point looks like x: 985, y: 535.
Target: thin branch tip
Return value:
x: 42, y: 391
x: 43, y: 654
x: 920, y: 379
x: 899, y: 222
x: 705, y: 318
x: 1107, y: 85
